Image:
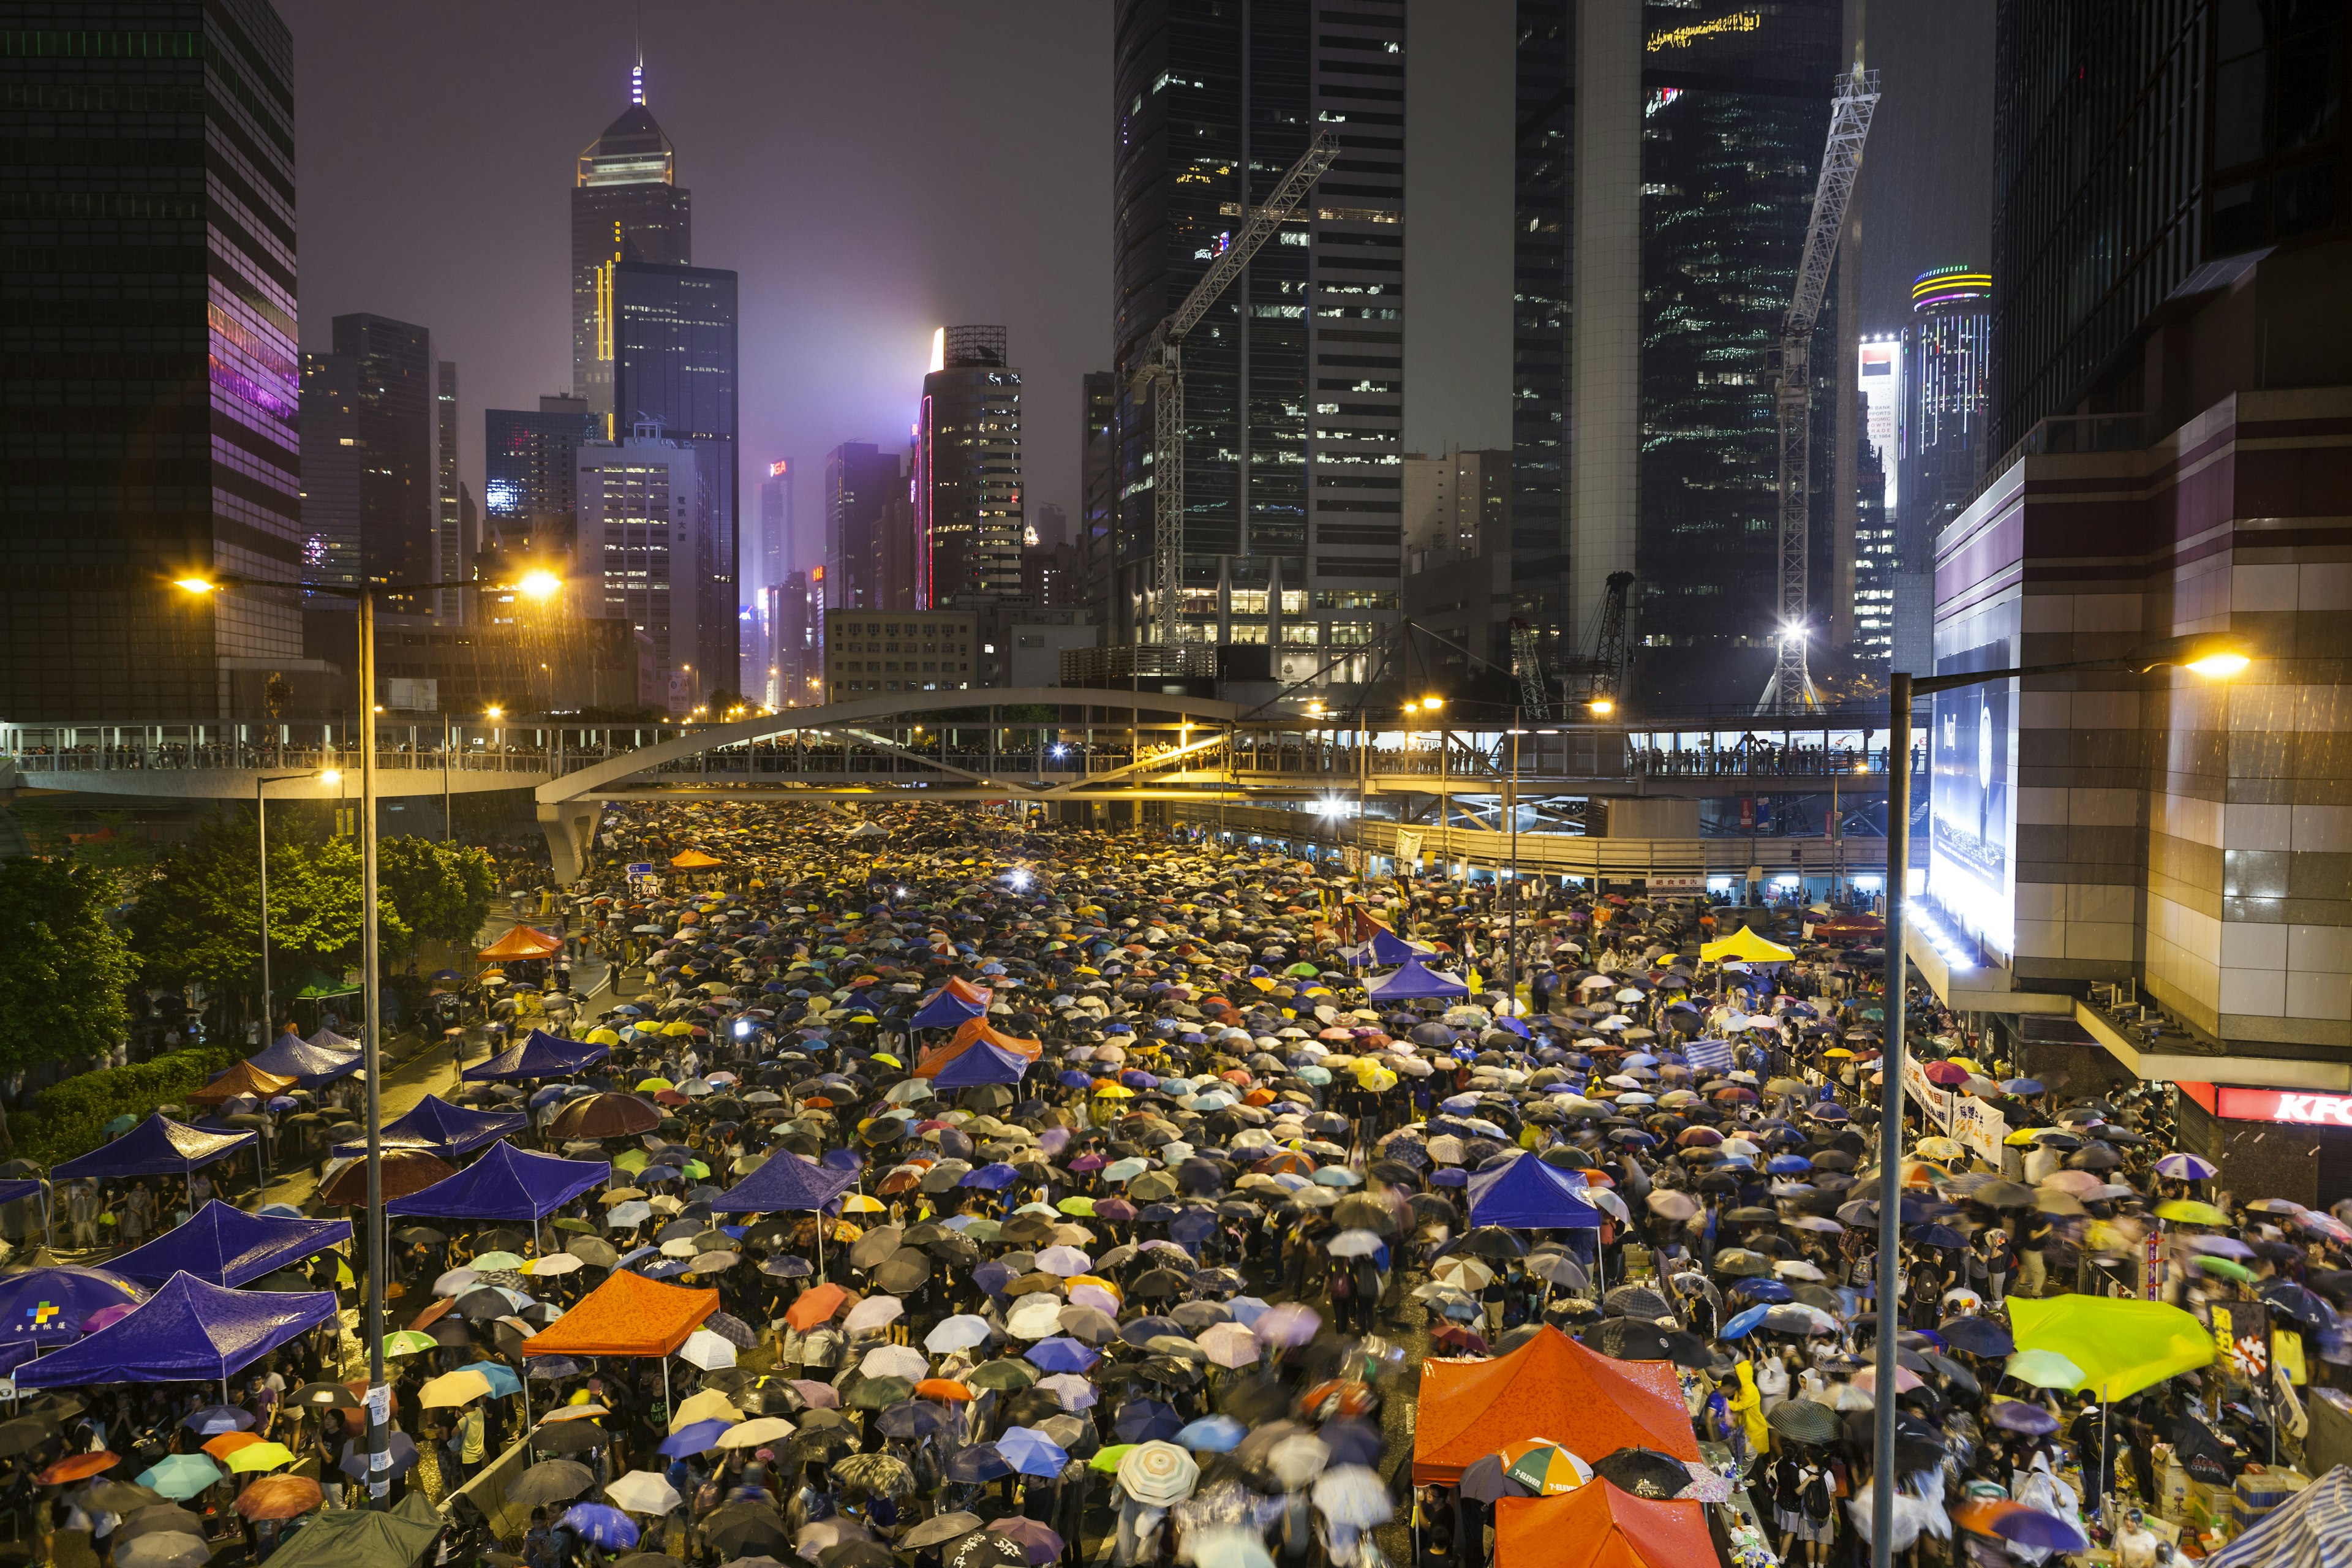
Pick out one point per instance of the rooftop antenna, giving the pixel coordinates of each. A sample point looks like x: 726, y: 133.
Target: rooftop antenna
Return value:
x: 638, y: 72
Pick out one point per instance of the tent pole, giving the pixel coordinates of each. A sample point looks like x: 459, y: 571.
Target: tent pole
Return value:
x: 665, y: 1361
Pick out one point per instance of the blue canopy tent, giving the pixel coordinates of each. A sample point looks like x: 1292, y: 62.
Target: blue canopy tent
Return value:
x: 787, y: 1183
x: 505, y: 1182
x: 945, y: 1010
x: 228, y: 1246
x: 41, y: 1309
x: 983, y: 1061
x: 541, y: 1055
x: 1529, y: 1194
x: 20, y: 1188
x: 188, y: 1330
x: 1413, y: 982
x: 291, y: 1056
x: 158, y: 1146
x: 1384, y: 946
x: 441, y: 1129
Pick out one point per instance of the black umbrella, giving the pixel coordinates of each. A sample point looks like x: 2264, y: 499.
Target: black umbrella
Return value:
x: 1492, y: 1241
x: 1805, y: 1421
x: 749, y: 1529
x: 1644, y: 1472
x: 1485, y: 1481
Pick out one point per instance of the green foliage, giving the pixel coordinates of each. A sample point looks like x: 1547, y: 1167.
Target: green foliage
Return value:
x: 441, y: 890
x: 63, y: 968
x: 70, y: 1118
x: 198, y: 918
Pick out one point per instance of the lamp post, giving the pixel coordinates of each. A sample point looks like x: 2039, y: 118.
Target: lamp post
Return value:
x: 261, y: 844
x: 2215, y: 656
x: 1511, y: 804
x: 537, y: 585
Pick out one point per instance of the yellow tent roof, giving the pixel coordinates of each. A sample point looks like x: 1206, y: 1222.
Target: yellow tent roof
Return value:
x: 1744, y: 943
x: 693, y: 860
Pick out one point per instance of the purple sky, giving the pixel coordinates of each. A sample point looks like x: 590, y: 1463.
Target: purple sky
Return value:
x: 874, y: 170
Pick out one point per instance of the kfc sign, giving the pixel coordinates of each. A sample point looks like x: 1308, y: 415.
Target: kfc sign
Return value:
x: 2274, y: 1105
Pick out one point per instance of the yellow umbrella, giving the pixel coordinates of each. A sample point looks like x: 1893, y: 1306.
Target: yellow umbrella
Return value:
x: 603, y: 1038
x: 1837, y: 1053
x: 677, y: 1027
x: 887, y: 1060
x: 460, y: 1387
x: 1114, y: 1091
x: 858, y: 1203
x: 2183, y: 1211
x: 651, y: 1084
x: 264, y: 1456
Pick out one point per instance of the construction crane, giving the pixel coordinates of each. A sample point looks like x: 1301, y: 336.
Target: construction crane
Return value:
x: 1527, y: 660
x: 1608, y: 652
x: 1856, y: 97
x: 1161, y: 377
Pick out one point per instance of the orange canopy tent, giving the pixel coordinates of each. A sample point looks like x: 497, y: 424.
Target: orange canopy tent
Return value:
x: 1552, y: 1387
x: 242, y: 1078
x: 523, y: 942
x: 628, y: 1314
x: 970, y: 1034
x: 1597, y: 1526
x: 693, y: 860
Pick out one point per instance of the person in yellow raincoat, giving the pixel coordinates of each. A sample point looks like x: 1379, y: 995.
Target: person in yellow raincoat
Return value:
x: 1747, y: 1407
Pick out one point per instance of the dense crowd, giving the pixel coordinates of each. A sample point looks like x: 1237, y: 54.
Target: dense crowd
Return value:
x: 1032, y: 1192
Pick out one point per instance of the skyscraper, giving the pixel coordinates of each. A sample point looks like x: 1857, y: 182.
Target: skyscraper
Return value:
x: 779, y: 544
x: 453, y: 552
x: 967, y: 489
x: 149, y: 362
x: 399, y: 428
x: 1665, y: 167
x: 529, y: 474
x: 1294, y: 382
x: 673, y: 366
x: 626, y: 205
x: 332, y: 457
x: 1098, y: 504
x: 1947, y: 360
x: 859, y: 478
x: 641, y: 509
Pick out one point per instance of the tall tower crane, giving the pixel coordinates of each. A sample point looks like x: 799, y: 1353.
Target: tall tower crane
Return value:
x: 1161, y: 377
x: 1856, y: 97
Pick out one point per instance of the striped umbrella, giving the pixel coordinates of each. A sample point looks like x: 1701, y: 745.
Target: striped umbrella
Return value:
x: 1545, y: 1467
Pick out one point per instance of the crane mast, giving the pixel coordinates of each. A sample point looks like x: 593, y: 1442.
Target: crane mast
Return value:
x: 1856, y: 97
x: 1161, y: 378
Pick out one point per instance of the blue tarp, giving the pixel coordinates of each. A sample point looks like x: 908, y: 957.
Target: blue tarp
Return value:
x: 291, y: 1056
x: 10, y: 1191
x: 188, y: 1331
x: 1413, y: 981
x: 785, y: 1182
x: 983, y: 1061
x: 156, y: 1147
x: 48, y: 1305
x: 228, y: 1246
x: 543, y: 1054
x: 444, y: 1130
x: 1529, y: 1194
x: 505, y: 1182
x: 945, y: 1010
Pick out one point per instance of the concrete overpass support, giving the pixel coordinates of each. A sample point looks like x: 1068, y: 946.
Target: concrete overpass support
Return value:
x: 570, y: 829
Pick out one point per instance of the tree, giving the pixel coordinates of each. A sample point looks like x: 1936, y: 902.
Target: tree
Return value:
x: 63, y: 967
x: 441, y: 890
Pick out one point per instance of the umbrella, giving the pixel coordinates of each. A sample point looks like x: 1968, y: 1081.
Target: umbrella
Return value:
x: 1353, y: 1495
x: 643, y: 1491
x: 601, y: 1525
x: 1158, y: 1474
x: 550, y: 1480
x: 1644, y: 1472
x: 179, y: 1475
x: 280, y: 1496
x: 1031, y: 1453
x: 1805, y: 1421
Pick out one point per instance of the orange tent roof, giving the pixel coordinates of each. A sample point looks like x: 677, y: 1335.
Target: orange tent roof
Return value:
x: 628, y: 1314
x: 523, y: 941
x: 1597, y: 1526
x: 693, y: 860
x: 1550, y: 1387
x: 242, y: 1078
x: 970, y: 1033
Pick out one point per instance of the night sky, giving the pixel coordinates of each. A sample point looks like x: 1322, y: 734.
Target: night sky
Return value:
x: 876, y: 170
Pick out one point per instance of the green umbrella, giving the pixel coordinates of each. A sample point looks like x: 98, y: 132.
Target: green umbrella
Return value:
x: 879, y: 1393
x: 1106, y: 1460
x: 1008, y: 1376
x: 409, y: 1341
x: 2227, y: 1267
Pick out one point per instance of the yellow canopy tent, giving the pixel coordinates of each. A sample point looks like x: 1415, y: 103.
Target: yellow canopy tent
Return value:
x: 1746, y: 946
x: 694, y: 860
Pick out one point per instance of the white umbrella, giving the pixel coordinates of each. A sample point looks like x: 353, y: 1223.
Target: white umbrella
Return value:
x: 1063, y: 1261
x: 895, y: 1361
x: 959, y: 1333
x: 1353, y: 1244
x: 874, y: 1313
x: 1039, y: 1316
x: 643, y: 1491
x: 1465, y: 1273
x: 1299, y: 1459
x: 1158, y: 1474
x: 1073, y: 1392
x: 1354, y: 1495
x: 707, y: 1351
x: 1229, y: 1344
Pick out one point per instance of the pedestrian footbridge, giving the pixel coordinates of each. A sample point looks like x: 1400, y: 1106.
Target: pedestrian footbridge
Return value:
x: 1050, y: 745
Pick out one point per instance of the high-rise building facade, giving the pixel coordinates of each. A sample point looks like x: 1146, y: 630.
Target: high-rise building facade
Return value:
x: 673, y: 366
x: 859, y: 480
x: 399, y: 424
x: 1543, y: 267
x: 779, y: 539
x: 1294, y: 380
x: 452, y: 551
x: 530, y: 491
x: 2223, y: 132
x: 1099, y: 511
x: 642, y: 509
x: 967, y: 477
x: 626, y: 205
x: 1947, y: 355
x: 148, y: 359
x: 333, y: 454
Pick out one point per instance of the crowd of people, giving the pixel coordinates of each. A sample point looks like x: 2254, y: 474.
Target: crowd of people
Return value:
x: 1060, y: 1194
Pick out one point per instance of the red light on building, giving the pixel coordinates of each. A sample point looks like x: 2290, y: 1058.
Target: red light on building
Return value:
x: 2290, y: 1107
x: 780, y: 468
x: 816, y: 573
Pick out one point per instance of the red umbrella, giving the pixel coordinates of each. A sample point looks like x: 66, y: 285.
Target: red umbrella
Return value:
x: 78, y: 1467
x: 815, y: 1306
x: 405, y: 1171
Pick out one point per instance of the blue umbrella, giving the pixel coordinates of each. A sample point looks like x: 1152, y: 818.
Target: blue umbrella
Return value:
x: 1213, y: 1435
x: 1031, y: 1453
x: 1767, y: 1291
x: 601, y: 1524
x: 698, y: 1438
x: 1741, y: 1324
x: 1062, y: 1353
x: 991, y: 1178
x: 215, y: 1419
x: 977, y: 1463
x: 503, y: 1379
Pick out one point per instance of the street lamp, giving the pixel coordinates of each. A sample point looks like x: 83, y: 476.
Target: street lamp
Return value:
x: 2217, y: 656
x: 535, y: 582
x: 327, y: 776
